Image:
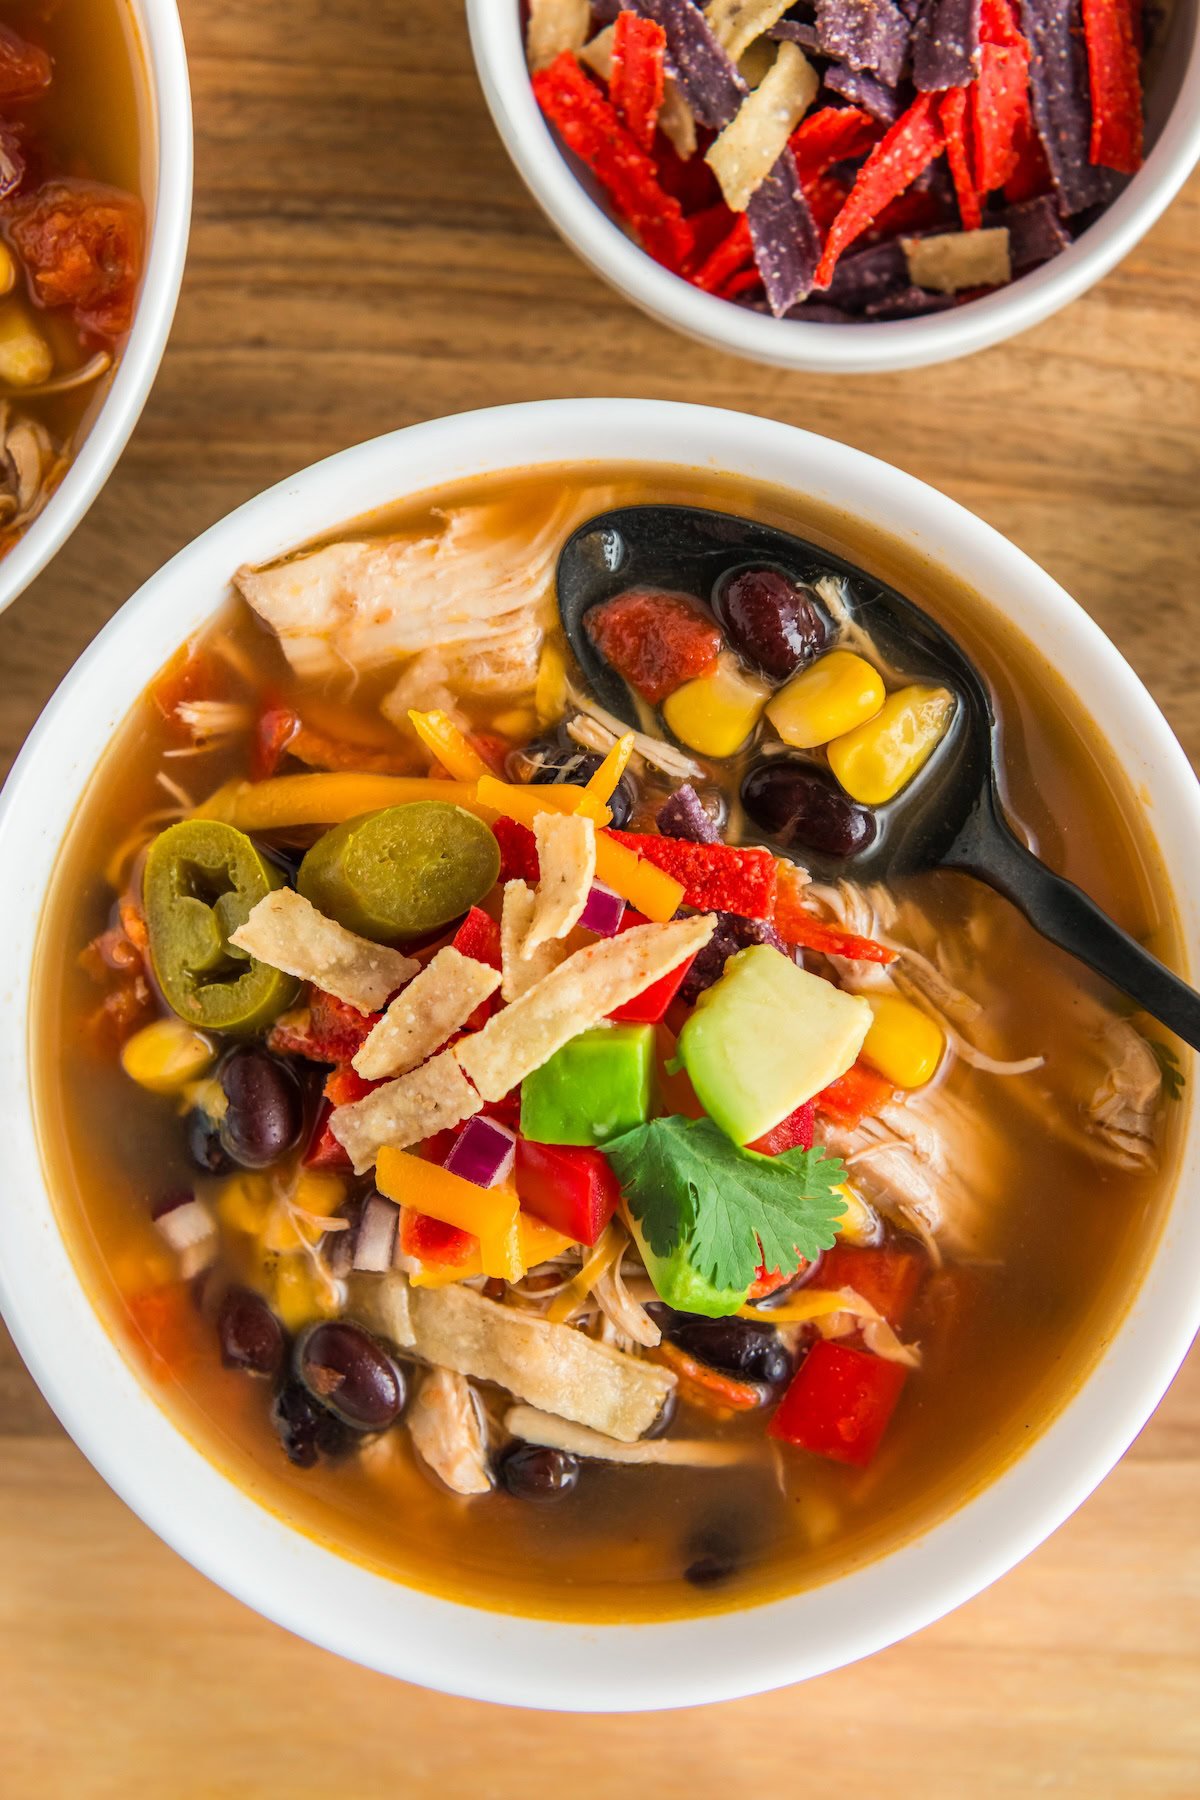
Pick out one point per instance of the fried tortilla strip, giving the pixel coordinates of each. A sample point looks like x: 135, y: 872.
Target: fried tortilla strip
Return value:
x: 520, y: 973
x: 434, y: 1005
x: 737, y: 23
x: 287, y: 932
x: 560, y: 1434
x: 574, y: 997
x: 555, y: 26
x: 750, y: 145
x: 566, y: 846
x: 959, y: 259
x: 429, y: 1099
x: 381, y: 1303
x: 554, y: 1367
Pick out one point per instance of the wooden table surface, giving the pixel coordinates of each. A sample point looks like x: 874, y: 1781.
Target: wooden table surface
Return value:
x: 362, y: 257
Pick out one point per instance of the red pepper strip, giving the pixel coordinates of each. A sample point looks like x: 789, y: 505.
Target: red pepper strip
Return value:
x: 716, y: 877
x: 730, y: 255
x: 636, y: 83
x: 793, y: 1133
x: 854, y: 1096
x: 909, y: 146
x: 518, y: 850
x: 833, y: 135
x: 707, y: 1387
x: 588, y: 125
x: 839, y: 1403
x: 570, y: 1188
x: 1116, y: 84
x: 887, y: 1279
x: 953, y: 113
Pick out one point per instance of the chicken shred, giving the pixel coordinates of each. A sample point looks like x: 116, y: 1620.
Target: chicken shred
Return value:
x: 446, y: 1426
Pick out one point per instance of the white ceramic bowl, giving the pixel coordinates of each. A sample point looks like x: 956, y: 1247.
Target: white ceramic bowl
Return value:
x: 213, y: 1523
x: 571, y: 201
x: 167, y: 166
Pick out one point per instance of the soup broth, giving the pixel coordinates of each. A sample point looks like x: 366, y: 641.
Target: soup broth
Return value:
x: 1045, y: 1224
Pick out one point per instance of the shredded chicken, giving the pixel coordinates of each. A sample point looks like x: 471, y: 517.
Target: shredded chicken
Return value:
x: 535, y: 1427
x: 446, y: 1425
x: 31, y: 467
x: 1122, y: 1114
x: 604, y: 728
x: 627, y: 1316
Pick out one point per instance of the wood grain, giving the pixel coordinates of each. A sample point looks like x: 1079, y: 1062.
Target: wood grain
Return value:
x: 363, y: 256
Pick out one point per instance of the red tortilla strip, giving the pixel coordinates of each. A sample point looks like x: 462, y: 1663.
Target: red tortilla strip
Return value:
x: 1000, y: 117
x: 834, y: 134
x: 892, y: 167
x: 730, y: 256
x: 1111, y: 30
x: 638, y: 77
x: 953, y: 114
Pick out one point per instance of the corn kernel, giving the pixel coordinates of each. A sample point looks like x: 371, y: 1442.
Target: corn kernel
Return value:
x: 879, y: 758
x: 517, y: 723
x: 716, y: 713
x: 300, y: 1293
x: 243, y: 1203
x: 8, y: 270
x: 550, y: 689
x: 859, y: 1224
x: 26, y: 359
x: 902, y: 1042
x: 166, y: 1054
x: 824, y: 701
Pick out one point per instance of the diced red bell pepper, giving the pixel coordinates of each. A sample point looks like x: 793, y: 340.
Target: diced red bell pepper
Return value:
x: 343, y: 1086
x: 518, y: 851
x: 854, y: 1096
x: 793, y: 1133
x: 329, y: 1030
x: 589, y: 126
x: 954, y: 115
x: 834, y: 134
x: 572, y: 1189
x: 715, y: 877
x: 429, y: 1241
x: 479, y: 936
x: 638, y: 76
x: 1114, y: 76
x: 650, y: 1006
x: 839, y: 1404
x: 887, y: 1279
x: 908, y: 147
x: 657, y: 641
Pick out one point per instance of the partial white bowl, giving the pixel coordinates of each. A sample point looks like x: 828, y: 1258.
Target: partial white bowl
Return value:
x: 167, y: 157
x: 574, y: 204
x: 311, y: 1590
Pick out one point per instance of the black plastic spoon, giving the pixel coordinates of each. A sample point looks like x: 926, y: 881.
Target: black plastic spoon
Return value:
x: 951, y: 815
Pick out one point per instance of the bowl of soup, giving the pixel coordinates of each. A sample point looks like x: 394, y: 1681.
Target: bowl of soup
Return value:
x: 498, y: 1195
x: 95, y: 201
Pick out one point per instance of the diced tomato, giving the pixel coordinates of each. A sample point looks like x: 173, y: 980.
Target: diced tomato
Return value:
x: 25, y: 68
x: 479, y: 936
x: 650, y: 1006
x: 839, y: 1403
x: 854, y: 1096
x: 323, y: 1150
x: 887, y: 1279
x: 129, y: 1004
x: 715, y: 877
x: 428, y: 1240
x: 277, y: 726
x: 657, y: 641
x: 793, y: 1133
x: 328, y: 1030
x: 164, y: 1321
x: 190, y: 675
x: 518, y: 850
x: 574, y: 1190
x: 81, y: 244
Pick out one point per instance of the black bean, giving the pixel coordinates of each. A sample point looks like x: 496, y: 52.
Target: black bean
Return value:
x: 576, y: 767
x: 252, y: 1338
x: 738, y: 1347
x: 202, y: 1136
x: 347, y: 1370
x: 306, y: 1431
x: 771, y: 620
x: 265, y: 1115
x: 713, y: 1554
x: 800, y: 805
x: 533, y: 1472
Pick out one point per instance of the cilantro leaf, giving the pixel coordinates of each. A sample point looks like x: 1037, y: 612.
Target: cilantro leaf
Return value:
x: 686, y: 1183
x: 1173, y: 1078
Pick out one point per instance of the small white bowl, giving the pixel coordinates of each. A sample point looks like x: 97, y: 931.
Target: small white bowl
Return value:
x: 574, y: 204
x: 216, y: 1525
x: 167, y: 160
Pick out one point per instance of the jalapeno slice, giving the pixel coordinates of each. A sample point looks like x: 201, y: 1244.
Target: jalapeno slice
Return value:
x: 401, y: 872
x: 202, y: 880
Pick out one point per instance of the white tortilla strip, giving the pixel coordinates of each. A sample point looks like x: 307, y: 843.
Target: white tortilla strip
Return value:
x: 959, y: 259
x: 520, y: 973
x: 597, y: 53
x: 554, y: 1367
x: 380, y: 1302
x: 747, y: 150
x: 676, y: 120
x: 536, y: 1427
x: 431, y: 1098
x: 555, y: 26
x: 575, y: 996
x: 287, y: 932
x: 736, y: 23
x: 434, y: 1005
x: 566, y: 845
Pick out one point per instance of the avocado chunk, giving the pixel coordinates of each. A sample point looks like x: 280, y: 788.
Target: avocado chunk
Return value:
x: 683, y: 1287
x: 598, y: 1085
x: 765, y: 1038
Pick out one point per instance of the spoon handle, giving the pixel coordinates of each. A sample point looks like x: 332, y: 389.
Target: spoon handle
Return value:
x: 1063, y: 913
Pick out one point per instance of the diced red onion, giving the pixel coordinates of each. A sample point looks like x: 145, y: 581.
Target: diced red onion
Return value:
x: 191, y: 1232
x: 375, y: 1239
x: 603, y: 911
x: 483, y: 1152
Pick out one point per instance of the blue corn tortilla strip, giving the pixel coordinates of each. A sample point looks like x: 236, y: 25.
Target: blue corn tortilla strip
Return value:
x: 867, y: 276
x: 795, y: 31
x: 709, y: 81
x: 1035, y: 231
x: 733, y: 933
x: 909, y: 303
x: 865, y: 34
x: 945, y: 45
x: 861, y: 89
x: 684, y: 816
x: 1062, y: 108
x: 787, y: 244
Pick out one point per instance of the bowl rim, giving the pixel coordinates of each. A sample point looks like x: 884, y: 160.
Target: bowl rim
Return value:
x: 788, y: 343
x: 159, y: 38
x: 218, y: 1526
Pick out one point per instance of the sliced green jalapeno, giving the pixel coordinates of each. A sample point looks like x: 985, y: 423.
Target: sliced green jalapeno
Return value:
x: 401, y: 872
x: 202, y: 880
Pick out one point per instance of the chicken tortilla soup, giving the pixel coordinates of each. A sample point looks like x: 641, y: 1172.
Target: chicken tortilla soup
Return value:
x: 517, y: 1146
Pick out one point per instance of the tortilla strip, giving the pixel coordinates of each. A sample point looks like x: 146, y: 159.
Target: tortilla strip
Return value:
x: 748, y: 148
x: 676, y: 120
x: 736, y: 23
x: 429, y: 1099
x: 574, y: 997
x: 434, y: 1005
x: 554, y: 26
x: 959, y: 259
x: 566, y: 845
x: 285, y: 931
x: 520, y: 973
x: 381, y: 1303
x: 554, y: 1367
x: 597, y: 53
x: 560, y: 1434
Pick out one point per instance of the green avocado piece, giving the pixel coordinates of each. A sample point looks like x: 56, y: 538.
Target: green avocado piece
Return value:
x: 765, y: 1038
x: 683, y: 1287
x: 598, y: 1085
